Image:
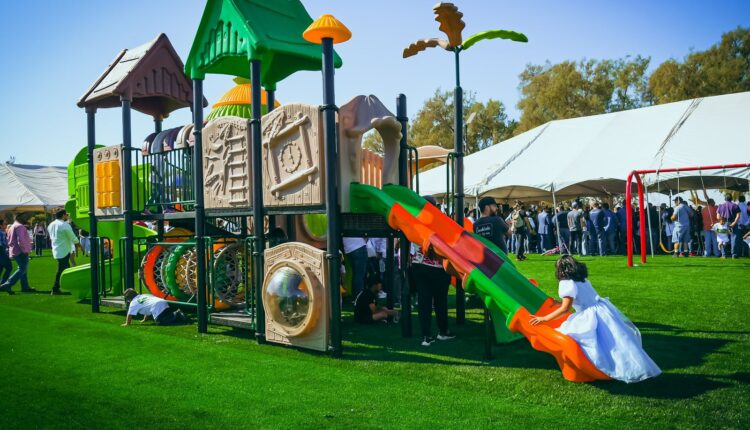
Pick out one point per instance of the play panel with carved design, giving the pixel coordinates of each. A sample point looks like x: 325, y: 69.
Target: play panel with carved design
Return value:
x: 293, y: 156
x: 226, y: 173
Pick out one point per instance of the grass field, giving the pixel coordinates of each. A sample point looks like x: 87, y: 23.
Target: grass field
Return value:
x: 64, y: 367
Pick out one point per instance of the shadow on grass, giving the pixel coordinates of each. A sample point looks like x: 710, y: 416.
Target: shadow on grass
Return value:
x: 645, y: 326
x: 669, y: 386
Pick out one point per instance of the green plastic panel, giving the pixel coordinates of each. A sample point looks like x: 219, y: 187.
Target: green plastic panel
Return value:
x: 516, y: 285
x: 406, y: 198
x: 232, y: 32
x: 478, y: 283
x: 366, y: 199
x: 242, y: 111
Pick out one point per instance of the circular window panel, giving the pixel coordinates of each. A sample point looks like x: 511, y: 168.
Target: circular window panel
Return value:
x: 289, y: 299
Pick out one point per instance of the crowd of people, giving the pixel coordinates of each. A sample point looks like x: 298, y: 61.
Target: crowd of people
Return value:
x: 18, y: 240
x: 590, y: 228
x: 689, y: 228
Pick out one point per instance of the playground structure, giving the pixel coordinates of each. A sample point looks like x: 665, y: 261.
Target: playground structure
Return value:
x: 670, y: 183
x: 214, y: 183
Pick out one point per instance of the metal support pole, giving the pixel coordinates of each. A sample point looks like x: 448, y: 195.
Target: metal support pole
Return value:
x: 93, y: 229
x: 332, y: 200
x: 403, y: 180
x: 157, y: 124
x: 200, y: 215
x: 160, y: 230
x: 629, y: 219
x: 458, y: 100
x: 648, y: 218
x: 389, y: 284
x: 270, y: 105
x: 489, y: 334
x: 127, y: 188
x: 641, y: 218
x: 257, y: 160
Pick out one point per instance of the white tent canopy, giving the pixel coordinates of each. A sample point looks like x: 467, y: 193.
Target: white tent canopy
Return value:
x: 592, y: 156
x: 32, y: 188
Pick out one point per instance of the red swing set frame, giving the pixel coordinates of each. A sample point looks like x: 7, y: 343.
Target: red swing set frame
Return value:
x: 642, y: 214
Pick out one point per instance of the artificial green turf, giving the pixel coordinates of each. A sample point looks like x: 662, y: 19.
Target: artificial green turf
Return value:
x: 65, y: 367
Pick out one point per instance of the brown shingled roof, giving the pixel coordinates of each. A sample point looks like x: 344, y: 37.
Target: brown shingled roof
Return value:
x: 151, y: 76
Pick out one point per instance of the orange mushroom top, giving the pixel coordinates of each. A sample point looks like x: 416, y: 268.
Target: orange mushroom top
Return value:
x: 327, y: 26
x: 240, y: 95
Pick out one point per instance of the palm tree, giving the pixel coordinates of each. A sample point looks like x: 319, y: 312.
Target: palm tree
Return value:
x: 452, y: 25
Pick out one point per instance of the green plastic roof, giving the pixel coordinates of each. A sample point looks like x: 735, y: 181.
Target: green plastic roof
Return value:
x: 232, y: 32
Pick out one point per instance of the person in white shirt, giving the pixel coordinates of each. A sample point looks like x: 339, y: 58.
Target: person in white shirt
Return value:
x: 63, y: 241
x: 722, y: 234
x: 151, y: 306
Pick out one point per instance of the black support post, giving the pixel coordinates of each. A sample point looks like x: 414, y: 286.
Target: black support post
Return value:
x: 200, y: 215
x: 403, y: 180
x: 257, y: 160
x: 160, y: 222
x: 458, y: 100
x: 489, y: 334
x: 270, y: 102
x: 93, y: 229
x: 332, y: 199
x: 389, y: 275
x: 127, y: 188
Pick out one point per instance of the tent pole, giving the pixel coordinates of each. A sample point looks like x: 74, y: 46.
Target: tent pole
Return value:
x: 557, y: 225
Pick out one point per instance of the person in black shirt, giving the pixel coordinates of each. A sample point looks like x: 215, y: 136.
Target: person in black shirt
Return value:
x: 490, y: 225
x: 366, y: 310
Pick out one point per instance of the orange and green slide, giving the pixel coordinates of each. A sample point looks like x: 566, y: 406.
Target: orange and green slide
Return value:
x: 485, y: 271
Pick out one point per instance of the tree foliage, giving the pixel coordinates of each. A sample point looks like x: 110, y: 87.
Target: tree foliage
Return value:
x: 433, y: 124
x: 723, y: 68
x: 588, y: 87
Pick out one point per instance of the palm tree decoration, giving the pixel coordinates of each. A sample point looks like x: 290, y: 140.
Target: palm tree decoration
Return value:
x: 452, y: 25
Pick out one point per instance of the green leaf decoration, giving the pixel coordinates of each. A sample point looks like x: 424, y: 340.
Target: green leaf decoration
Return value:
x: 494, y: 34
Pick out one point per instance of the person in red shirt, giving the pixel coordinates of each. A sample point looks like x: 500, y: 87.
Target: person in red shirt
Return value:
x: 709, y: 216
x: 19, y: 247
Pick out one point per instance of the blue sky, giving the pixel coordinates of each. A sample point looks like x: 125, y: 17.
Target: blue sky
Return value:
x: 53, y: 50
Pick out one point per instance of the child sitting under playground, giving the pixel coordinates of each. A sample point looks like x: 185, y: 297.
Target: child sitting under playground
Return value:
x: 607, y: 337
x: 722, y: 234
x: 366, y: 310
x: 148, y: 305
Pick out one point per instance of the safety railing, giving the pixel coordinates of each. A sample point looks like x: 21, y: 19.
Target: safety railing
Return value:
x: 163, y: 181
x: 413, y: 167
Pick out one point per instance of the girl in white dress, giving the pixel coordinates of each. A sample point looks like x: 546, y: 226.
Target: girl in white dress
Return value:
x: 608, y: 338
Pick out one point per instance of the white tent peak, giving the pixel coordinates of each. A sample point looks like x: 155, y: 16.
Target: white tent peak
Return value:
x: 593, y: 155
x: 32, y: 188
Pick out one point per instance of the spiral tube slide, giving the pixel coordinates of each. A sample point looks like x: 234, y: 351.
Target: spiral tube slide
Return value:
x: 485, y: 270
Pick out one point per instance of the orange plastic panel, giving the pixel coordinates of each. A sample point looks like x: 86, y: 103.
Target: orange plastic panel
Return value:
x: 575, y: 366
x: 444, y: 226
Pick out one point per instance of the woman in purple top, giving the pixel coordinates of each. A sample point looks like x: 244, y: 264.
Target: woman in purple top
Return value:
x: 19, y: 245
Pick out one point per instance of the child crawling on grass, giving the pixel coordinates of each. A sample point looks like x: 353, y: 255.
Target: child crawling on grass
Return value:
x: 151, y: 306
x: 607, y: 337
x: 366, y: 310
